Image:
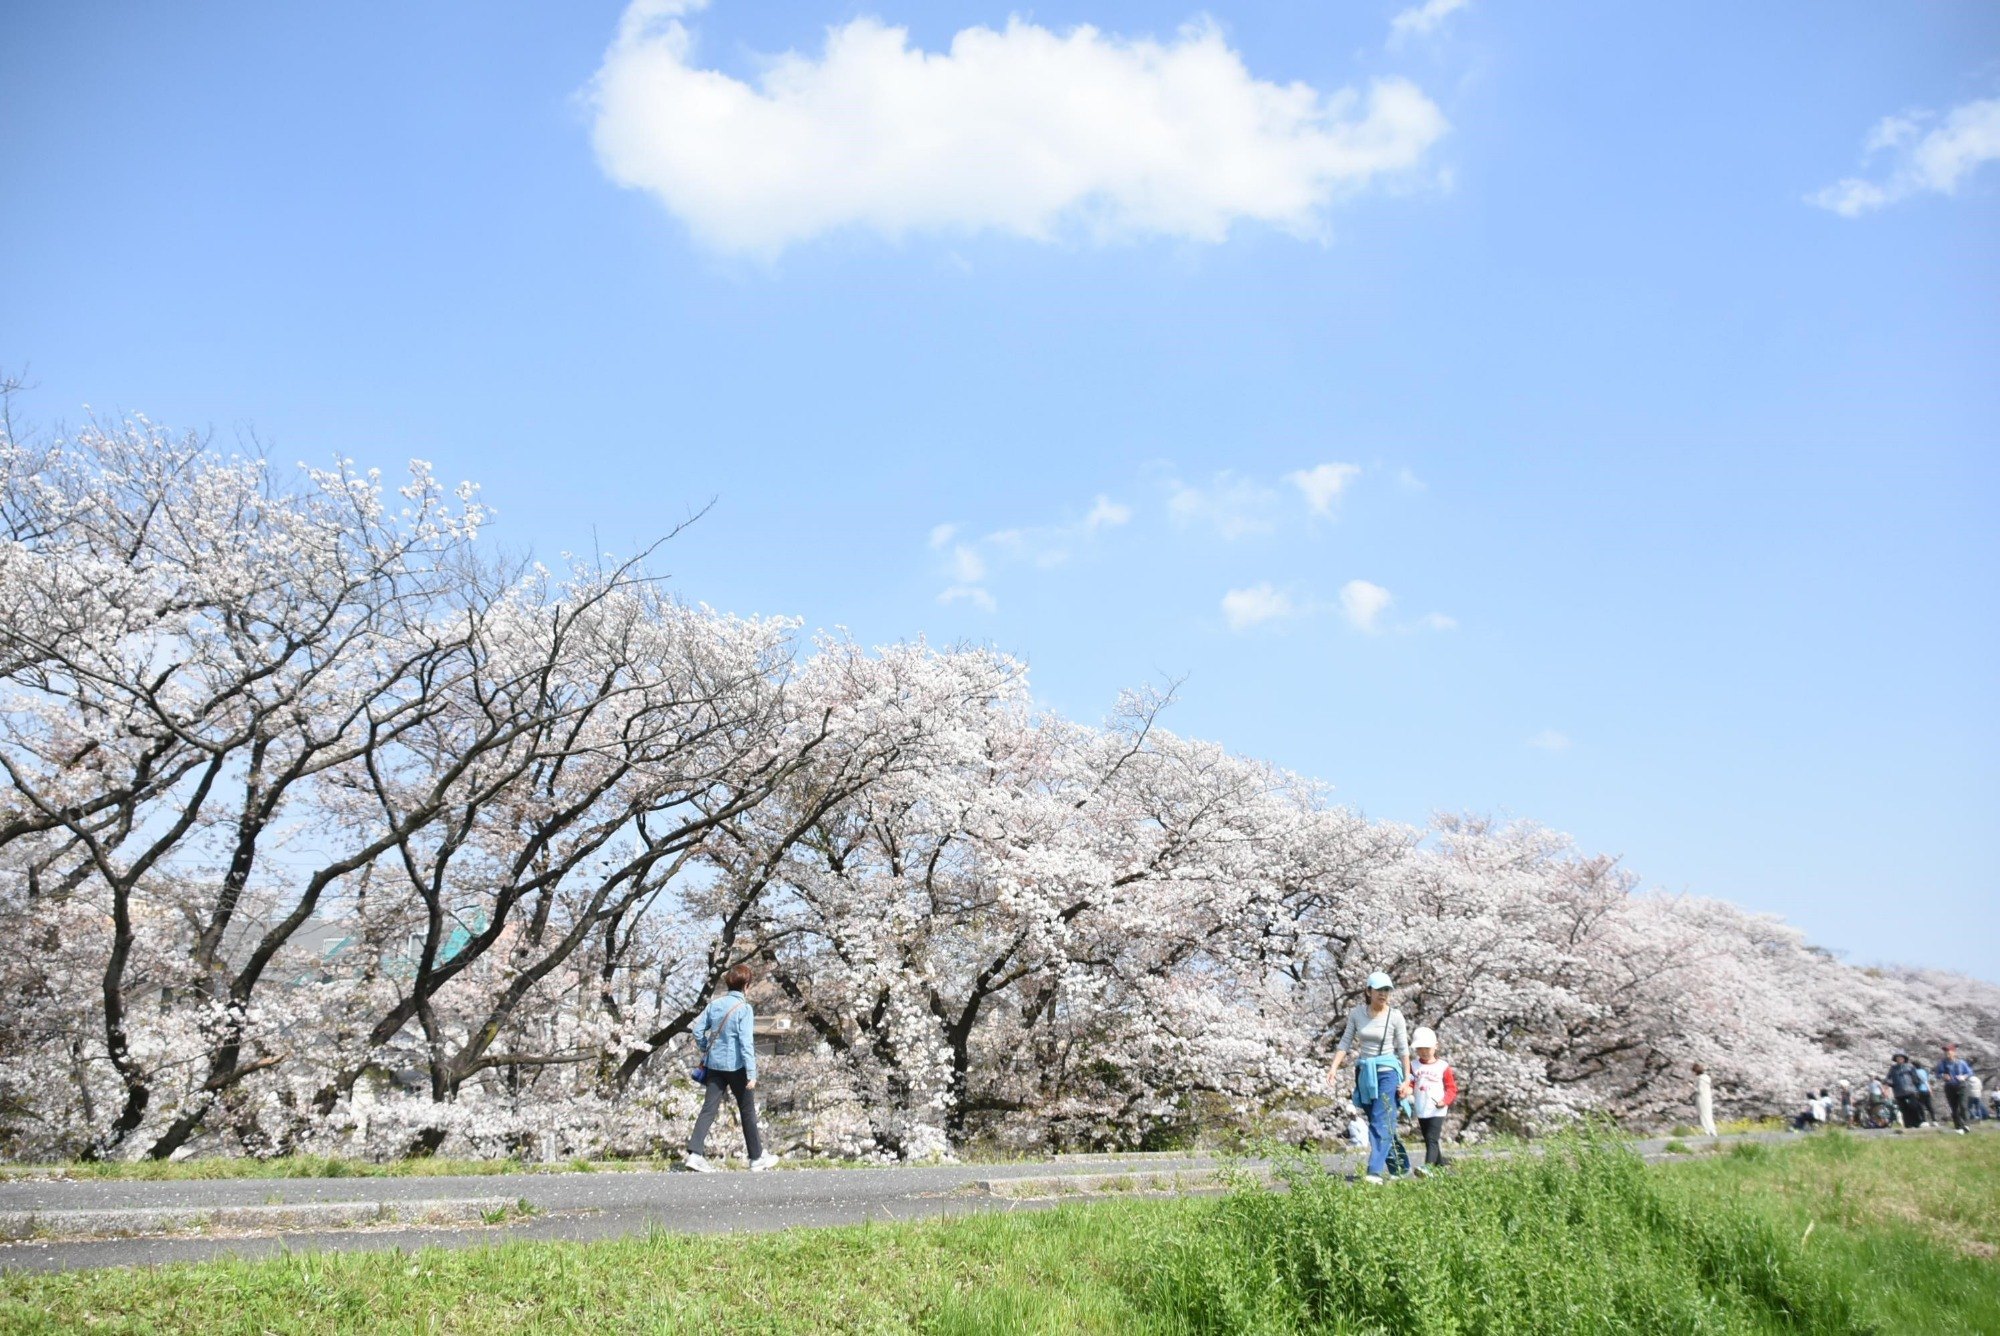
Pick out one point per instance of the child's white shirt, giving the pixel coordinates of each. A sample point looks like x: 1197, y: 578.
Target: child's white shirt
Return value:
x: 1429, y: 1079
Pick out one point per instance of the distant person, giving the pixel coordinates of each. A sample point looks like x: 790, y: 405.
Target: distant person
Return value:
x: 726, y: 1034
x: 1924, y: 1091
x: 1436, y: 1087
x: 1808, y: 1118
x: 1846, y: 1104
x: 1879, y: 1110
x: 1378, y: 1040
x: 1704, y: 1100
x: 1903, y: 1084
x: 1953, y: 1072
x: 1975, y: 1098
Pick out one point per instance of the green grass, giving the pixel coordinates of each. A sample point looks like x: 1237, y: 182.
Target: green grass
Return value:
x: 1730, y: 1127
x: 1829, y: 1235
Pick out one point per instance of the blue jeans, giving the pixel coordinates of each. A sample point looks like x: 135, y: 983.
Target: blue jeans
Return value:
x: 1381, y: 1121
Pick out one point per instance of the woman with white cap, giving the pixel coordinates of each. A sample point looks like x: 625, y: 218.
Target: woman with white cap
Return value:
x: 1378, y: 1040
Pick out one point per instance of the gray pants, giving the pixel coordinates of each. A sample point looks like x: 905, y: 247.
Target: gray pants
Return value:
x: 717, y: 1085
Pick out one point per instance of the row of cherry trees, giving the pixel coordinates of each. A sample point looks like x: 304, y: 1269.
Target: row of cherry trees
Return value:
x: 325, y: 827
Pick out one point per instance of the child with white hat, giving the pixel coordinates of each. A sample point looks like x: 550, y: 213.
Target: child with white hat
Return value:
x: 1436, y: 1088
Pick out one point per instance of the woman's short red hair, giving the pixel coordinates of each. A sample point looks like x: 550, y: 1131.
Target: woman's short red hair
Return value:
x: 738, y: 978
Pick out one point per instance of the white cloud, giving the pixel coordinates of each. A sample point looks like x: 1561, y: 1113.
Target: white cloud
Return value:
x: 972, y: 594
x: 1423, y: 20
x: 1360, y: 602
x: 1260, y: 603
x: 1046, y: 548
x: 1851, y: 197
x: 1549, y: 740
x: 1323, y: 485
x: 1234, y: 507
x: 1893, y: 132
x: 970, y: 561
x: 1106, y: 514
x: 1936, y: 161
x: 967, y: 566
x: 1410, y: 481
x: 1363, y: 603
x: 1024, y: 131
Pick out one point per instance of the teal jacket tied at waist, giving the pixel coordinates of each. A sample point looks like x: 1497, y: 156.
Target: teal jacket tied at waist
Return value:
x: 1368, y: 1080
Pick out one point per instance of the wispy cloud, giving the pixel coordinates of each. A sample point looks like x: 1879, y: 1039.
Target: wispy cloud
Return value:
x: 972, y: 594
x: 1042, y: 548
x: 1363, y: 604
x: 1023, y: 130
x: 1322, y: 485
x: 1422, y: 20
x: 1936, y: 160
x: 1549, y: 740
x: 1260, y: 603
x: 968, y: 562
x: 1106, y: 514
x: 1232, y: 506
x: 967, y: 566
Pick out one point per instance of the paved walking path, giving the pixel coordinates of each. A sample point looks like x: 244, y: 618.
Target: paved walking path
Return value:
x: 578, y: 1205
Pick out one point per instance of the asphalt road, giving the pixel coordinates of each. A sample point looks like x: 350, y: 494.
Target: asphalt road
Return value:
x: 567, y: 1205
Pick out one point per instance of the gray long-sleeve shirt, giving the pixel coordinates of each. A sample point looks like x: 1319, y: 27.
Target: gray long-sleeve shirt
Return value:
x: 1369, y: 1036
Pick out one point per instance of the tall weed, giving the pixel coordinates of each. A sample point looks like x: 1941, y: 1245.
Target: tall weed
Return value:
x: 1580, y: 1239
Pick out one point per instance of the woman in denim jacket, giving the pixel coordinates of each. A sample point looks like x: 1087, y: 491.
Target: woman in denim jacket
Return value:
x: 726, y: 1034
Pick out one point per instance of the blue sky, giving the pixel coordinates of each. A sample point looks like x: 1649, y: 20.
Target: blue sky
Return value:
x: 1660, y: 340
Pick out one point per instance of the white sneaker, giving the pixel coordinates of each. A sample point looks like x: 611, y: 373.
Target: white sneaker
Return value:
x: 763, y: 1162
x: 1372, y: 1178
x: 697, y: 1165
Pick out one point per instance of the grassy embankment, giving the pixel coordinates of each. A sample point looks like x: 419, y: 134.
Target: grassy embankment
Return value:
x: 1834, y: 1235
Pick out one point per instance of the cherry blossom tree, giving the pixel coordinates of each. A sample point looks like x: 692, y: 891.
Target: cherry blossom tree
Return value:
x: 323, y: 825
x: 191, y: 648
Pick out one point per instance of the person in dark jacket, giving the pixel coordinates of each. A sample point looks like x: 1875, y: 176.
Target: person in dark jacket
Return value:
x: 1903, y: 1085
x: 1955, y: 1074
